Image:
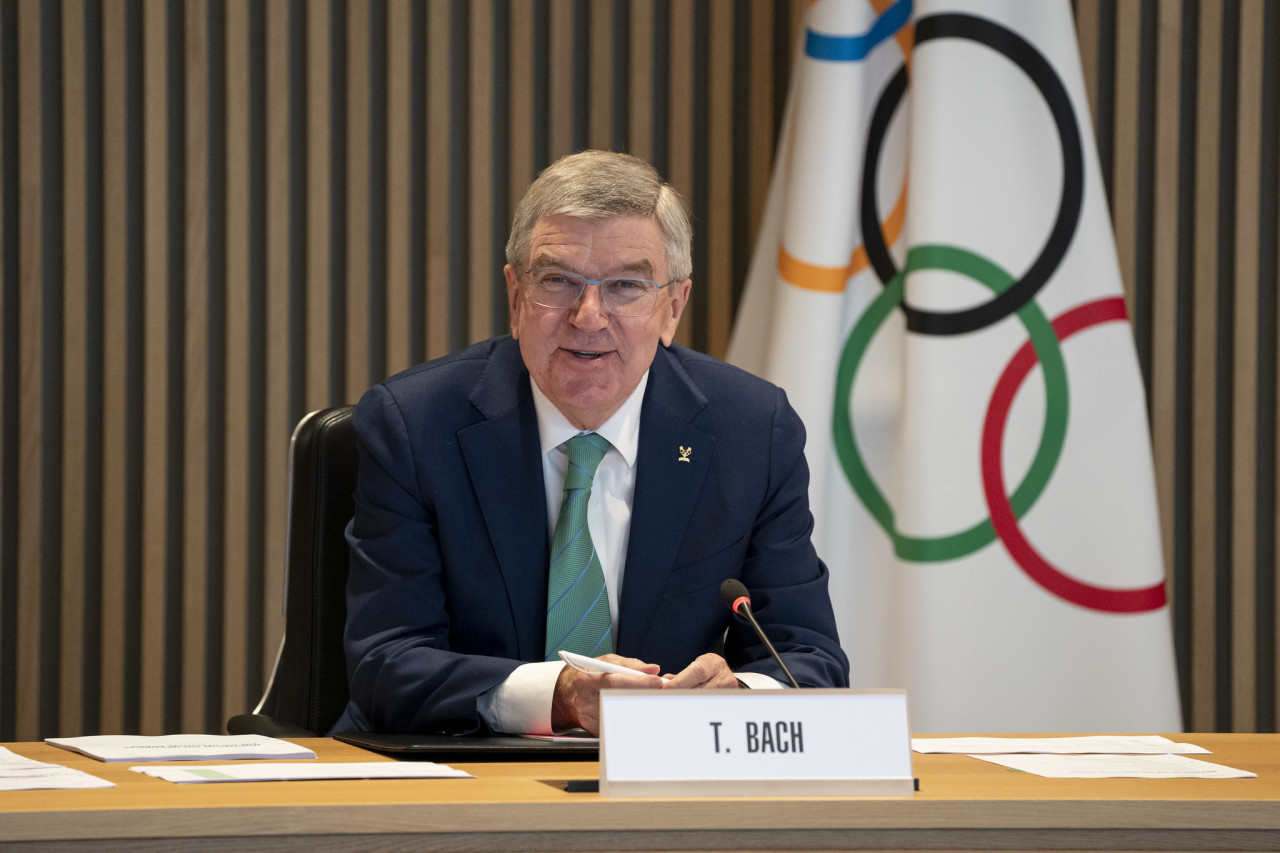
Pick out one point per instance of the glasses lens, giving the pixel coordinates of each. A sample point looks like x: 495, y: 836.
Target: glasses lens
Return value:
x: 556, y: 288
x: 628, y: 297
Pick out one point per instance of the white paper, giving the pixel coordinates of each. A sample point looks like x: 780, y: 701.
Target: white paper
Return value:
x: 1116, y: 766
x: 11, y: 762
x: 180, y: 747
x: 1090, y: 745
x: 298, y: 772
x: 24, y: 774
x: 60, y: 778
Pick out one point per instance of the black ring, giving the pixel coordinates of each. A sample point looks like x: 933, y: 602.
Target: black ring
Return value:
x: 1023, y: 54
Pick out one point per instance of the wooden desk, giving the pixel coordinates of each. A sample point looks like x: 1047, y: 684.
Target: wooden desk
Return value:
x: 962, y: 803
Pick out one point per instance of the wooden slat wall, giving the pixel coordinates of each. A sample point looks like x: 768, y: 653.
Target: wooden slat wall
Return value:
x: 1186, y: 96
x: 216, y: 215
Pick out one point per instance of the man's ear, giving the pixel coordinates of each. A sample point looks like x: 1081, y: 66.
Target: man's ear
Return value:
x: 674, y: 308
x: 513, y: 299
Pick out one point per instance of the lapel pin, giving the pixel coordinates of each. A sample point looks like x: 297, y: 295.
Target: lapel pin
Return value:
x: 684, y: 453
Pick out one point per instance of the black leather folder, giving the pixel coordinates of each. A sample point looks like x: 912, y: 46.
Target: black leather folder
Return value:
x: 445, y: 748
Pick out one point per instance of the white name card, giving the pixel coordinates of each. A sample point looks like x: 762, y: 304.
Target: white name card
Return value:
x: 777, y: 743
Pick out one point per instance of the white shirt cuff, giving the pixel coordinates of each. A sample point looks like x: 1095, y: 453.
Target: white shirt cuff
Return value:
x: 760, y: 681
x: 522, y: 703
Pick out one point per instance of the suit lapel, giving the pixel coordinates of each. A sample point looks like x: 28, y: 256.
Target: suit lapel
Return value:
x: 504, y: 461
x: 671, y: 464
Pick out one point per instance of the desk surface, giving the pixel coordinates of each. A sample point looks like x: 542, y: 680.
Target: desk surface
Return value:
x: 962, y: 802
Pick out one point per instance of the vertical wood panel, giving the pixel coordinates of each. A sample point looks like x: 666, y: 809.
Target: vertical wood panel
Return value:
x: 115, y: 684
x: 358, y: 195
x: 640, y: 108
x: 416, y: 172
x: 397, y: 208
x: 1224, y: 365
x: 285, y: 238
x: 215, y: 379
x: 155, y: 520
x: 1206, y: 642
x: 318, y: 204
x: 1124, y: 155
x: 10, y: 353
x: 675, y: 129
x: 173, y: 235
x: 1246, y: 62
x: 479, y: 160
x: 336, y: 236
x: 219, y: 214
x: 196, y: 487
x: 720, y: 161
x: 439, y: 271
x: 29, y: 660
x: 90, y: 640
x: 500, y: 205
x: 52, y: 339
x: 236, y: 344
x: 74, y: 370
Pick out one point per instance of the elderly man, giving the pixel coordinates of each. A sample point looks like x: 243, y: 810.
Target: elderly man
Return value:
x: 581, y: 484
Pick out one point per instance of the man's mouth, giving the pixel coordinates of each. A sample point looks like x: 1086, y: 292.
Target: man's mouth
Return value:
x: 577, y: 353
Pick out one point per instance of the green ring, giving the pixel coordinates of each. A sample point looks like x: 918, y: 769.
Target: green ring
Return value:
x: 1045, y: 342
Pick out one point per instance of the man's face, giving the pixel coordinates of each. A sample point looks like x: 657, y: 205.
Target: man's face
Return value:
x: 586, y: 360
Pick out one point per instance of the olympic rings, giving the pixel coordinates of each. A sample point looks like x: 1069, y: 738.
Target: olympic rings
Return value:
x: 935, y: 549
x: 1009, y: 296
x: 1042, y: 74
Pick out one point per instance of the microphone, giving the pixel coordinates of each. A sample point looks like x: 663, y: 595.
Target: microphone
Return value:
x: 736, y: 598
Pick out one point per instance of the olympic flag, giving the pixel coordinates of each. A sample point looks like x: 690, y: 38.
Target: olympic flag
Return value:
x: 936, y: 287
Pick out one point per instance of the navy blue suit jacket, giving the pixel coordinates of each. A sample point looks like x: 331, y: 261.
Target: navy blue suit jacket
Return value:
x: 449, y: 543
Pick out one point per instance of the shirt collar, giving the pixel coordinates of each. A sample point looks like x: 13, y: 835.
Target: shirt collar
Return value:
x: 622, y: 430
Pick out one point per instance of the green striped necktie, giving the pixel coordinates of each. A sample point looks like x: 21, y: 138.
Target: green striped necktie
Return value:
x: 577, y: 601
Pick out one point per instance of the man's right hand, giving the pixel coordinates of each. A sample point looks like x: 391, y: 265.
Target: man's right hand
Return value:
x: 576, y: 702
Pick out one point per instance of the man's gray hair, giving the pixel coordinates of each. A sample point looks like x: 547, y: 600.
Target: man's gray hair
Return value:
x: 598, y: 185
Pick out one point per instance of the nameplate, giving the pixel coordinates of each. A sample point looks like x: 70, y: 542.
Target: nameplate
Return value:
x: 774, y: 743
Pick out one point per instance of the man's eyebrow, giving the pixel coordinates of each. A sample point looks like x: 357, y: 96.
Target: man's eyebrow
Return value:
x: 545, y: 260
x: 642, y: 265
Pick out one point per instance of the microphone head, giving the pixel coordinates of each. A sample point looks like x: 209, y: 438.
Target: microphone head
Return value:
x: 734, y: 594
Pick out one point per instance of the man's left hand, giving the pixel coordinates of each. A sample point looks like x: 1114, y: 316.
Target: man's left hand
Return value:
x: 708, y: 671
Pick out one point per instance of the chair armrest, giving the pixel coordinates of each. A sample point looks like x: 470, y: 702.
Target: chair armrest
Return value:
x: 263, y: 724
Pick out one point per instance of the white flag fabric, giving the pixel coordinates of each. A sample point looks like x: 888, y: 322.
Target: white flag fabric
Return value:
x: 936, y: 288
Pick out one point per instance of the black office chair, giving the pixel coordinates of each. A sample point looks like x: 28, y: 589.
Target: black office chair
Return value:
x: 308, y: 688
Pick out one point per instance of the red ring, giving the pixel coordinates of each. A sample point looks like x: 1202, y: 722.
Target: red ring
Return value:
x: 1004, y: 521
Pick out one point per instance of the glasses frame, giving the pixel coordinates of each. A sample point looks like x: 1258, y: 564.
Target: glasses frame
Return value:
x: 597, y: 282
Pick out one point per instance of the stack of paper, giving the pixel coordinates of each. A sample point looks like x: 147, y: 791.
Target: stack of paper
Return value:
x: 180, y: 747
x: 293, y: 772
x: 22, y: 774
x: 1087, y: 745
x: 1092, y: 757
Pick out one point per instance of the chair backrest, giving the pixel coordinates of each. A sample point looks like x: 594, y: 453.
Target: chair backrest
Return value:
x: 309, y: 685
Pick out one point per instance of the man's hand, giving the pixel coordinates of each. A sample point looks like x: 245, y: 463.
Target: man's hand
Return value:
x: 708, y: 671
x: 576, y: 702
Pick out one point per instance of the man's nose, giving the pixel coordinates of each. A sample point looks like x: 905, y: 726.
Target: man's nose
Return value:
x: 590, y: 312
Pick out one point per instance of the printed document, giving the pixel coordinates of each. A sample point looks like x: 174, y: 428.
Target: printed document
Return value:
x: 180, y: 747
x: 25, y: 774
x: 1089, y: 745
x: 1116, y: 767
x: 298, y: 772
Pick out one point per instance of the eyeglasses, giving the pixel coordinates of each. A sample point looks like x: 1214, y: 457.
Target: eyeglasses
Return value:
x: 622, y: 295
